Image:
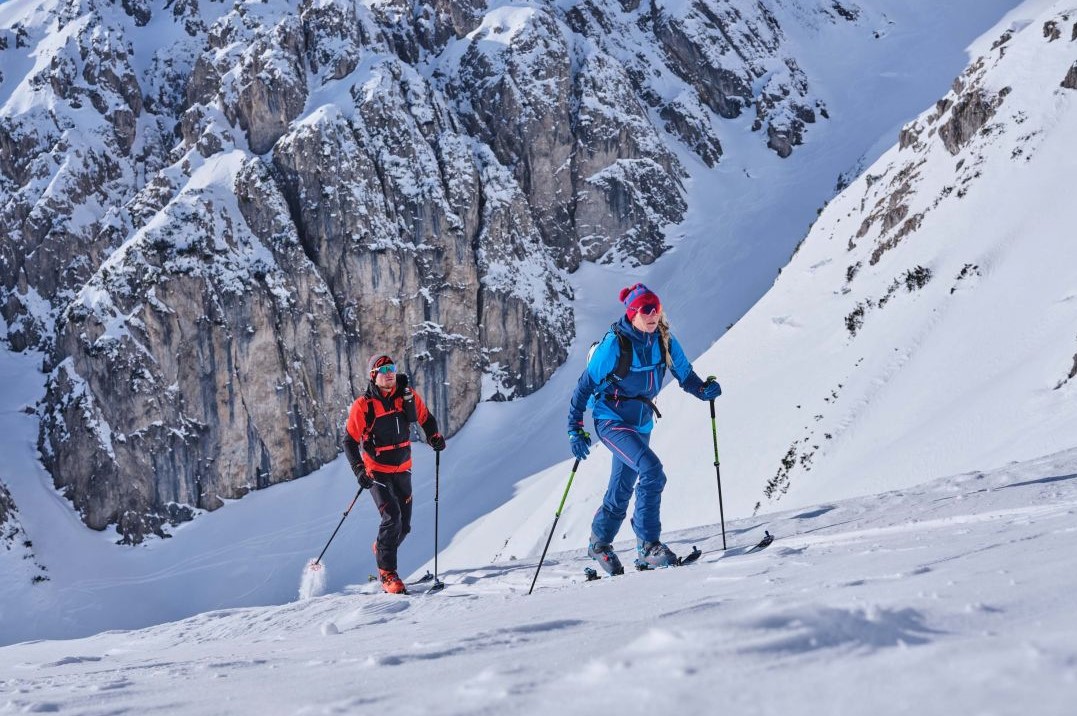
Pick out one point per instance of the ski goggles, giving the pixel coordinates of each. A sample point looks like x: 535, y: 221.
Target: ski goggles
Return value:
x: 386, y: 369
x: 650, y: 309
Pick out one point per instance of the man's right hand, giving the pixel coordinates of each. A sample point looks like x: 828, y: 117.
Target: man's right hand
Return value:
x: 365, y: 481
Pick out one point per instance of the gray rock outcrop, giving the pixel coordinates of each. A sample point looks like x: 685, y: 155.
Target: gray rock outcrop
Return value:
x: 1070, y: 80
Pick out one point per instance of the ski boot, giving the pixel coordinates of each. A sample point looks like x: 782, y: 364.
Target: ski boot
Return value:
x: 390, y: 582
x: 653, y: 555
x: 605, y: 556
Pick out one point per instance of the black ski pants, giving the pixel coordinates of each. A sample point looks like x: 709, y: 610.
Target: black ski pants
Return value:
x: 392, y: 495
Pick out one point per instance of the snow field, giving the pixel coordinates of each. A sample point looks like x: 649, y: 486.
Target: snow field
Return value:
x: 952, y: 597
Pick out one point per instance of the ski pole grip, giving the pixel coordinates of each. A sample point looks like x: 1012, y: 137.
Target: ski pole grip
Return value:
x: 711, y: 379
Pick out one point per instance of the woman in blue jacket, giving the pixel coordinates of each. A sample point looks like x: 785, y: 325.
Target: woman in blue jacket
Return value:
x: 621, y: 393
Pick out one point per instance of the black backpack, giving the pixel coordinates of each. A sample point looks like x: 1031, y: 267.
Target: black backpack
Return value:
x: 624, y: 365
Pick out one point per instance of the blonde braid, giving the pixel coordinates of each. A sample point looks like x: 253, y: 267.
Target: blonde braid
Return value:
x: 663, y: 334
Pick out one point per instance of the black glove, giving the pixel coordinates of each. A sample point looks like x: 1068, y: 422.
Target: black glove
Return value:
x: 410, y: 412
x: 437, y: 442
x: 365, y: 481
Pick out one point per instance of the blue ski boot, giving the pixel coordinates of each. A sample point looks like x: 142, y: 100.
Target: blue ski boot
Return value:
x: 653, y: 555
x: 605, y: 556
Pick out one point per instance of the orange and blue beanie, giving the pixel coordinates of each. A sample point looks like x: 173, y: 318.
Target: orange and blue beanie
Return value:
x: 639, y: 297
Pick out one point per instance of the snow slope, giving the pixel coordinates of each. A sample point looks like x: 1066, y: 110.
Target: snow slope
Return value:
x: 746, y: 217
x: 951, y: 598
x: 966, y: 372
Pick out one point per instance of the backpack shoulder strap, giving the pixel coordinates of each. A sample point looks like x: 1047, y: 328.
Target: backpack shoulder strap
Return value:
x: 370, y: 416
x: 624, y: 358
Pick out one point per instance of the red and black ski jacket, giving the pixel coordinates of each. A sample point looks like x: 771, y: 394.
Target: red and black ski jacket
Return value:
x: 381, y: 424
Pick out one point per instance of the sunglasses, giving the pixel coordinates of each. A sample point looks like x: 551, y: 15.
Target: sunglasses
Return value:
x: 386, y: 369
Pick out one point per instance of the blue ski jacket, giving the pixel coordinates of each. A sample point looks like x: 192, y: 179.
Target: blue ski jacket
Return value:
x: 611, y: 399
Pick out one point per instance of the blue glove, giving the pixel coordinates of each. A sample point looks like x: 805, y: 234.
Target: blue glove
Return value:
x: 710, y: 389
x: 581, y: 443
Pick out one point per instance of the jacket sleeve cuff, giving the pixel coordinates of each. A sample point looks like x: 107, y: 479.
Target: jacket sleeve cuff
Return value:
x: 693, y: 384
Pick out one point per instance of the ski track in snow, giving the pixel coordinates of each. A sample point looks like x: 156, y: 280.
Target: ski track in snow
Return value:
x: 954, y: 597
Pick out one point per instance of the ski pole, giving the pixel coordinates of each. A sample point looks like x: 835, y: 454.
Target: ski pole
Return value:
x: 556, y: 517
x: 354, y: 499
x: 717, y: 465
x: 438, y: 584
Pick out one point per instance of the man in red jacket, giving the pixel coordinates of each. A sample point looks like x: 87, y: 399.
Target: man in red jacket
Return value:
x: 379, y: 422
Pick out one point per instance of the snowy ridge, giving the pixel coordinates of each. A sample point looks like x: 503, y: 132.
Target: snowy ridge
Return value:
x: 960, y: 585
x: 942, y: 365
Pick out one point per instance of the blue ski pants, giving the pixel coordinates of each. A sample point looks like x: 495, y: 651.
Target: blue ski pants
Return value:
x: 633, y: 460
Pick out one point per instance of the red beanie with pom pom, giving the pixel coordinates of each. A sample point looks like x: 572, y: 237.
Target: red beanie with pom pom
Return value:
x: 637, y: 298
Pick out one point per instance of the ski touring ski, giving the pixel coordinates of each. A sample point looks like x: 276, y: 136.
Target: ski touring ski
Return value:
x: 767, y: 540
x: 692, y: 556
x: 763, y: 543
x: 437, y: 585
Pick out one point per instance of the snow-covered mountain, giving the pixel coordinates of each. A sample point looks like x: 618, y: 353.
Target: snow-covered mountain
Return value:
x: 744, y: 217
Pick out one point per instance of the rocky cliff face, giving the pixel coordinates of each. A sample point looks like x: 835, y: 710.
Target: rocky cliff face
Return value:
x: 15, y: 546
x: 213, y: 213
